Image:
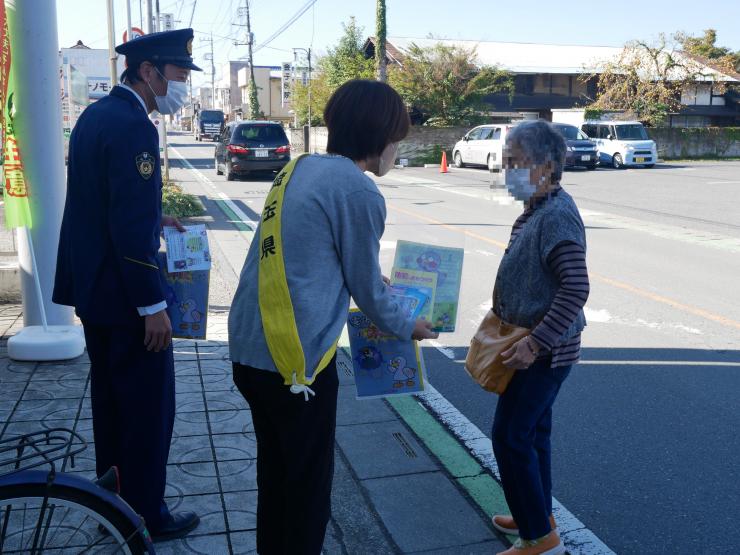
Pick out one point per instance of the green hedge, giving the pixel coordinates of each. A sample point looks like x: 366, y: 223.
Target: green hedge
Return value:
x: 179, y: 204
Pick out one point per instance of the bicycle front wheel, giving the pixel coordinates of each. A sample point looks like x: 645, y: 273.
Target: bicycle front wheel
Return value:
x: 58, y: 519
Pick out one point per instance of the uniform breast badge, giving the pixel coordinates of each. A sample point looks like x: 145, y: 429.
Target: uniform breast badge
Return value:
x: 145, y: 164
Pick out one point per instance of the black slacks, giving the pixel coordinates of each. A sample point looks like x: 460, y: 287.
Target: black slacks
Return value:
x: 295, y: 458
x: 133, y: 407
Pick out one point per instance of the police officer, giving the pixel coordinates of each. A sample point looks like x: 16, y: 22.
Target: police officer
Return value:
x: 107, y: 269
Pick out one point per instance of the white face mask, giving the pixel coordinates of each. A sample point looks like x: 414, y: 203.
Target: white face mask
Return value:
x: 177, y: 92
x: 517, y: 183
x: 387, y: 159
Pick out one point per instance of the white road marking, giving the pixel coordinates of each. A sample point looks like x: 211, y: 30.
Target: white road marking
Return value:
x: 603, y: 316
x: 722, y: 182
x: 578, y: 539
x: 216, y: 191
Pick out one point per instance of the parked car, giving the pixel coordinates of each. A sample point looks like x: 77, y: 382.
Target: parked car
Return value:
x: 622, y: 143
x: 248, y: 146
x: 481, y: 146
x: 581, y: 151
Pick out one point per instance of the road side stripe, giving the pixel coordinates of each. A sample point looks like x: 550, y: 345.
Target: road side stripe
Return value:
x: 236, y: 211
x: 577, y: 538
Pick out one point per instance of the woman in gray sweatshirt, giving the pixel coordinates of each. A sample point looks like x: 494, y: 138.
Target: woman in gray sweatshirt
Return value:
x: 331, y: 218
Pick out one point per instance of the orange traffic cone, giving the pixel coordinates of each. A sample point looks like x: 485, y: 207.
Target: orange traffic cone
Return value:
x: 443, y: 164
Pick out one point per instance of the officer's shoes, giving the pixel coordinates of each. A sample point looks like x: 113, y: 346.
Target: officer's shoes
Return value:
x: 178, y: 525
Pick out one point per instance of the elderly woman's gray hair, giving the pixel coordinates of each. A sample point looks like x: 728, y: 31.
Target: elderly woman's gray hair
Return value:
x: 540, y: 142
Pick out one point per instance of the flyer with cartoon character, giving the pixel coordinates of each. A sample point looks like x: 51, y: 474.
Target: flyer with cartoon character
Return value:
x: 383, y: 365
x: 187, y: 251
x: 446, y: 263
x: 187, y: 301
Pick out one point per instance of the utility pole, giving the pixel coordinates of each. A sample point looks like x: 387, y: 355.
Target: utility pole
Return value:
x: 209, y: 57
x: 149, y: 18
x: 254, y: 105
x: 190, y: 77
x: 380, y: 31
x: 128, y: 20
x: 164, y: 121
x: 112, y: 45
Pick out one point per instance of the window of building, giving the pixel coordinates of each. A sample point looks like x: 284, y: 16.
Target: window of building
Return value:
x: 579, y: 88
x: 542, y: 84
x: 560, y: 85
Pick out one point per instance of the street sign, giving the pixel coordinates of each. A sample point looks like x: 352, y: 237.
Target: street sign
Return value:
x: 135, y: 33
x: 285, y: 82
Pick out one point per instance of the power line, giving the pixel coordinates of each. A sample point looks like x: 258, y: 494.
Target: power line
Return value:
x: 285, y: 26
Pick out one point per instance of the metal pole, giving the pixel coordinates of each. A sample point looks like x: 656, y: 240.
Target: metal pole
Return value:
x: 35, y: 55
x: 112, y: 45
x: 149, y: 18
x: 164, y: 121
x: 309, y: 97
x: 128, y: 20
x: 213, y: 77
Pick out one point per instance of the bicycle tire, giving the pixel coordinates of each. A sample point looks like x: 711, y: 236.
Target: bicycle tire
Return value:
x: 117, y: 519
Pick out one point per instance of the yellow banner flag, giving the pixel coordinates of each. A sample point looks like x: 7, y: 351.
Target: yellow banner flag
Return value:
x: 15, y: 192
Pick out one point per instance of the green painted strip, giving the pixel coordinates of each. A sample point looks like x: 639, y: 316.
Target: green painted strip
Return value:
x: 447, y: 449
x: 467, y: 472
x: 233, y: 218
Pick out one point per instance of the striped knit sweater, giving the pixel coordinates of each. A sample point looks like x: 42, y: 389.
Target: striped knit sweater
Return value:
x: 567, y: 261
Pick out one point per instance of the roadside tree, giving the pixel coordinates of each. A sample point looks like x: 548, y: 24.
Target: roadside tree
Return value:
x: 646, y: 79
x: 342, y: 63
x: 446, y: 84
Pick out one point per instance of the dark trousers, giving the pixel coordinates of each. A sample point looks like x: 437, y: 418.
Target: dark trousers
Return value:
x: 295, y: 459
x: 521, y: 443
x: 133, y: 407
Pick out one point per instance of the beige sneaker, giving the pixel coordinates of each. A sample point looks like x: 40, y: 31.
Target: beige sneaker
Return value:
x: 507, y: 525
x: 546, y: 545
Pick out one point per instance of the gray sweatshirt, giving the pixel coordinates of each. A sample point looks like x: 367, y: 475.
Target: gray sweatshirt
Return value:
x: 333, y: 219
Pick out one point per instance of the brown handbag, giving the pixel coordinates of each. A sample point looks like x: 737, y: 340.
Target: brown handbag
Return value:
x: 484, y: 362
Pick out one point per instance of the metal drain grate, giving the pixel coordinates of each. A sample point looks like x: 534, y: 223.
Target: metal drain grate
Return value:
x: 346, y: 368
x: 405, y: 445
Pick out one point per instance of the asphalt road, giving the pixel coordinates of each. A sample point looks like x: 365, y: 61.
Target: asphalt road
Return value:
x: 646, y: 442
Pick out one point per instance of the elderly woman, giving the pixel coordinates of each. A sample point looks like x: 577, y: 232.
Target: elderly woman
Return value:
x: 542, y: 284
x: 317, y: 245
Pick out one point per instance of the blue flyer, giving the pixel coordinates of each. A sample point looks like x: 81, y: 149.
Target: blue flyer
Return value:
x: 187, y: 302
x: 383, y: 365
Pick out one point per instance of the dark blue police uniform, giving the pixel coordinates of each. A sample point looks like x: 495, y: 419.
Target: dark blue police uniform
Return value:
x: 107, y: 268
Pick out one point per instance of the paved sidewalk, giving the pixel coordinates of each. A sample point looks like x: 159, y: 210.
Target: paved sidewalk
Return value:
x: 392, y: 494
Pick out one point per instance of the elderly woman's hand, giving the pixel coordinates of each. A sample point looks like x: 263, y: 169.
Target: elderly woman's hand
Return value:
x: 521, y: 354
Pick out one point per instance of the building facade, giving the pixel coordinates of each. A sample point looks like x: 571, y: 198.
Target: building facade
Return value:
x: 551, y: 76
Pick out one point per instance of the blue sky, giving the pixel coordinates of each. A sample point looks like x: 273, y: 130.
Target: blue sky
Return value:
x: 557, y: 22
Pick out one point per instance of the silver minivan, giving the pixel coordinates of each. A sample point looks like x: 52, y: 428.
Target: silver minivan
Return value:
x: 482, y: 146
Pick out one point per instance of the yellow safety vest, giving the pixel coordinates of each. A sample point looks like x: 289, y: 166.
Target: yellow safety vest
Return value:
x: 276, y: 307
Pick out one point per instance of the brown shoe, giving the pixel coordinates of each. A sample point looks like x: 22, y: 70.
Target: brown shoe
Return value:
x: 546, y: 545
x: 507, y: 525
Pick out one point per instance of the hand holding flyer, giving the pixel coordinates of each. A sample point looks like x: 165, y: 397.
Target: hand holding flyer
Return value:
x: 187, y: 251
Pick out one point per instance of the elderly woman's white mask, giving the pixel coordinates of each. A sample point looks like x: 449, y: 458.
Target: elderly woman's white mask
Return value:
x: 517, y: 181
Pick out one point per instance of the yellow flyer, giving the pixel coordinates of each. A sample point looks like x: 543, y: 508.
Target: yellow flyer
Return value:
x: 426, y: 282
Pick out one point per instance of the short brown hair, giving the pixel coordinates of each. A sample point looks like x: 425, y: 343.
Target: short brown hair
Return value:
x: 363, y: 118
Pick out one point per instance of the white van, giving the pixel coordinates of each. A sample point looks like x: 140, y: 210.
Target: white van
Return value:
x: 481, y: 146
x: 622, y: 143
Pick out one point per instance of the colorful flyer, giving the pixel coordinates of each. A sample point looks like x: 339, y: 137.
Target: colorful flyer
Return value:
x: 187, y: 302
x: 187, y: 251
x: 446, y: 263
x: 384, y: 366
x: 411, y: 300
x: 426, y: 282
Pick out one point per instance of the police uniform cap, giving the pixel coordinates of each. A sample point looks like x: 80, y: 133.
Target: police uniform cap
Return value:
x: 168, y: 47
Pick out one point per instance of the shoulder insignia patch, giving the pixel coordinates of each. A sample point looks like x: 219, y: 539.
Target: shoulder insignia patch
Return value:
x: 145, y: 164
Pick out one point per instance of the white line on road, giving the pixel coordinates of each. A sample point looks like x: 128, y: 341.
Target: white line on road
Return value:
x: 722, y: 182
x: 221, y: 195
x: 578, y: 539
